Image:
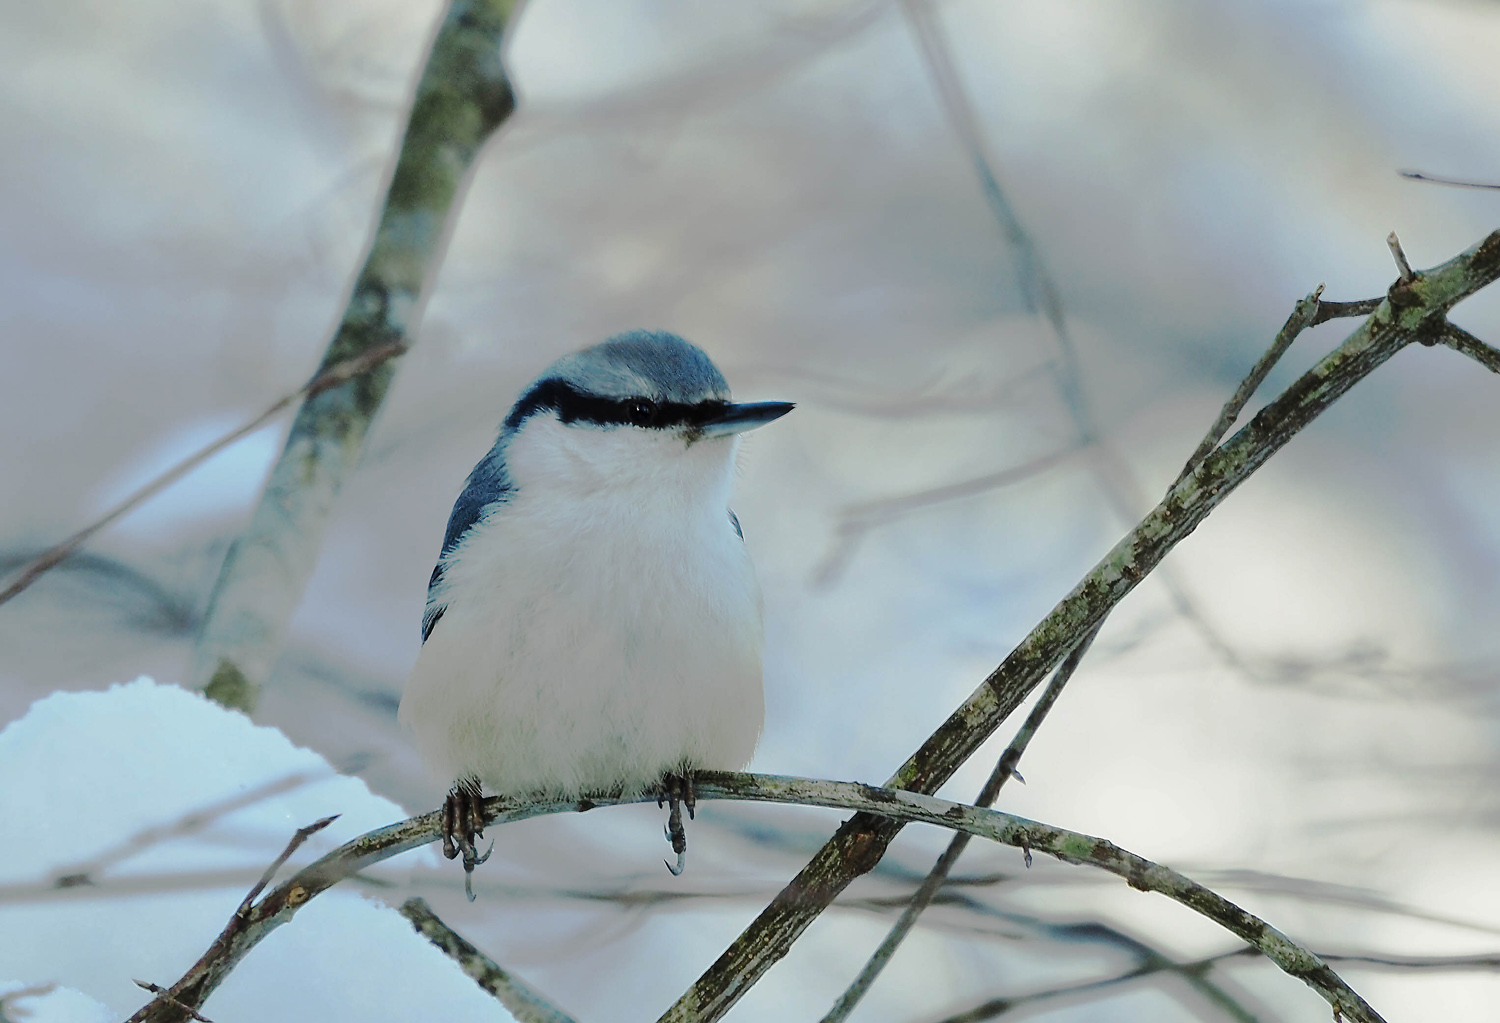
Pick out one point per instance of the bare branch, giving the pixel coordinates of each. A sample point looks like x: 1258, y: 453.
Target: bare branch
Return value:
x: 1334, y: 310
x: 282, y: 902
x: 1303, y: 315
x: 302, y: 835
x: 1005, y: 768
x: 172, y: 1003
x: 509, y: 990
x: 337, y: 374
x: 1408, y: 311
x: 1460, y: 340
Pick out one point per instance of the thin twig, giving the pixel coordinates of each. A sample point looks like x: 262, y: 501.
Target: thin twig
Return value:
x: 525, y: 1004
x: 1309, y: 312
x: 165, y: 995
x: 1334, y: 310
x: 1005, y: 768
x: 1303, y: 315
x: 1399, y: 255
x: 1408, y: 311
x: 1438, y: 179
x: 331, y: 377
x: 168, y: 999
x: 302, y: 835
x: 1460, y: 340
x: 282, y: 902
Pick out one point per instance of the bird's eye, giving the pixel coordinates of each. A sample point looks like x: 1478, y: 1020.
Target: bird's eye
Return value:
x: 641, y: 411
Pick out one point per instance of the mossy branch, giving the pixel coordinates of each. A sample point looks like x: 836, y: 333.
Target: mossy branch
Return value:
x: 463, y: 95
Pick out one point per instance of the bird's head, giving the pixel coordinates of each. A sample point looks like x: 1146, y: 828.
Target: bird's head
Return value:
x: 643, y: 409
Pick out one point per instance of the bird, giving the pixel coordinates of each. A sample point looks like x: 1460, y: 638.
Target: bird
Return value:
x: 594, y: 623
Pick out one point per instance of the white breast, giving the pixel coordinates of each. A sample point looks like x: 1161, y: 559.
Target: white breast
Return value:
x: 602, y: 628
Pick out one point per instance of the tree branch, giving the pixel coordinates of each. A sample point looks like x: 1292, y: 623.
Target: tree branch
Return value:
x: 509, y: 990
x: 1411, y: 309
x: 1005, y: 768
x: 247, y: 928
x: 463, y: 95
x: 1460, y: 340
x: 1303, y: 315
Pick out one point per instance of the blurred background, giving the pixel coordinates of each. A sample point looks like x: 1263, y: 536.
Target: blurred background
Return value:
x: 1300, y: 709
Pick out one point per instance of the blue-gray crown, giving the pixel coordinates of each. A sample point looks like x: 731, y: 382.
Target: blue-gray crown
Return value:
x: 644, y: 378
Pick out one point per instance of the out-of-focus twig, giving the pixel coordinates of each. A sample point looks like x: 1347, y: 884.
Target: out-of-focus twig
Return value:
x: 995, y: 1008
x: 857, y: 520
x: 87, y: 871
x: 247, y: 928
x: 333, y: 376
x: 12, y: 1013
x: 1043, y: 297
x: 519, y: 999
x: 1438, y: 179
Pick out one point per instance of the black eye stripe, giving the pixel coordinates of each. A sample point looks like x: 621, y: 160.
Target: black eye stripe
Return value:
x: 573, y: 405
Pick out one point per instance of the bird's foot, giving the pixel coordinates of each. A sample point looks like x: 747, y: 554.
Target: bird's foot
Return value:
x: 463, y: 821
x: 677, y: 792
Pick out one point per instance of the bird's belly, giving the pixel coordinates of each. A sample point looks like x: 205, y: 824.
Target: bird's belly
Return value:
x: 586, y: 666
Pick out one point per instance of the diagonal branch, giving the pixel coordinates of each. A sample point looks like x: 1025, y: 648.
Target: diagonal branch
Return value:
x: 1005, y: 768
x: 462, y: 96
x: 509, y: 990
x: 1411, y: 309
x: 279, y: 905
x: 1303, y: 315
x: 1460, y: 340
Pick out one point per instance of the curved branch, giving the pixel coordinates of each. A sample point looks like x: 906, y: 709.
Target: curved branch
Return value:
x: 253, y: 922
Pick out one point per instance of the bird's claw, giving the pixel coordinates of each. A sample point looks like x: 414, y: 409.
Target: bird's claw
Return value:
x: 677, y: 791
x: 463, y: 821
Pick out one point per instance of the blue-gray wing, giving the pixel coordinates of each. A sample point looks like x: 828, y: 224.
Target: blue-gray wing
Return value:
x: 734, y: 520
x: 488, y: 485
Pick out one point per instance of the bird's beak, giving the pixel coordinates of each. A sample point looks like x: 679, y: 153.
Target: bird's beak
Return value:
x: 742, y: 417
